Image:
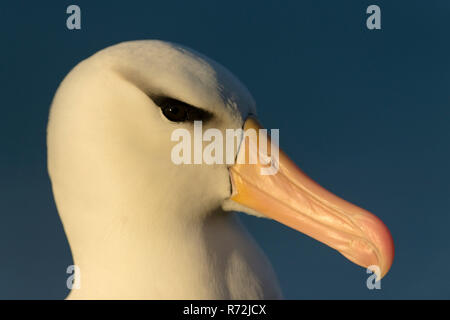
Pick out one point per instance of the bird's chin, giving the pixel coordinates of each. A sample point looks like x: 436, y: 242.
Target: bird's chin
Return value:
x: 290, y: 197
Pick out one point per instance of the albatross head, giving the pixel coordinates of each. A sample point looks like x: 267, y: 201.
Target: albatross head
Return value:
x: 119, y: 194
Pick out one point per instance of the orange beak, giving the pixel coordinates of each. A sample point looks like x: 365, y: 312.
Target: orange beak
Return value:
x: 292, y: 198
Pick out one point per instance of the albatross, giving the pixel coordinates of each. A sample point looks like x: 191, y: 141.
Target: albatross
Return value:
x: 142, y: 227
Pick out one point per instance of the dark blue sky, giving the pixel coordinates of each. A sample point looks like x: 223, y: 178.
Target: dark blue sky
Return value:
x: 365, y: 113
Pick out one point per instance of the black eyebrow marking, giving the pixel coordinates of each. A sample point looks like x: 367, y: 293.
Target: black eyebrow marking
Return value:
x: 193, y: 113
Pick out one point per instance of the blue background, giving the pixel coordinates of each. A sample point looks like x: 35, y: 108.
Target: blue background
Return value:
x: 365, y: 113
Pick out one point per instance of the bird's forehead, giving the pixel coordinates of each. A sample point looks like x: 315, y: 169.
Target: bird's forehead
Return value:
x: 163, y: 68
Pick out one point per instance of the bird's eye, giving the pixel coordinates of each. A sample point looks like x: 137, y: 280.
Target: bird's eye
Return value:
x: 178, y: 111
x: 175, y: 113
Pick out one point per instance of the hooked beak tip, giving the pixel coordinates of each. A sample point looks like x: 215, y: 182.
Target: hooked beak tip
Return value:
x: 292, y: 198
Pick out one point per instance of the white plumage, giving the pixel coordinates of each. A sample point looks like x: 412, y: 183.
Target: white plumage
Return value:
x: 138, y: 225
x: 142, y: 227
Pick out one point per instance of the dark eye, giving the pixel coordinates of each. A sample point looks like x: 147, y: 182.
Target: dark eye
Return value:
x: 178, y: 111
